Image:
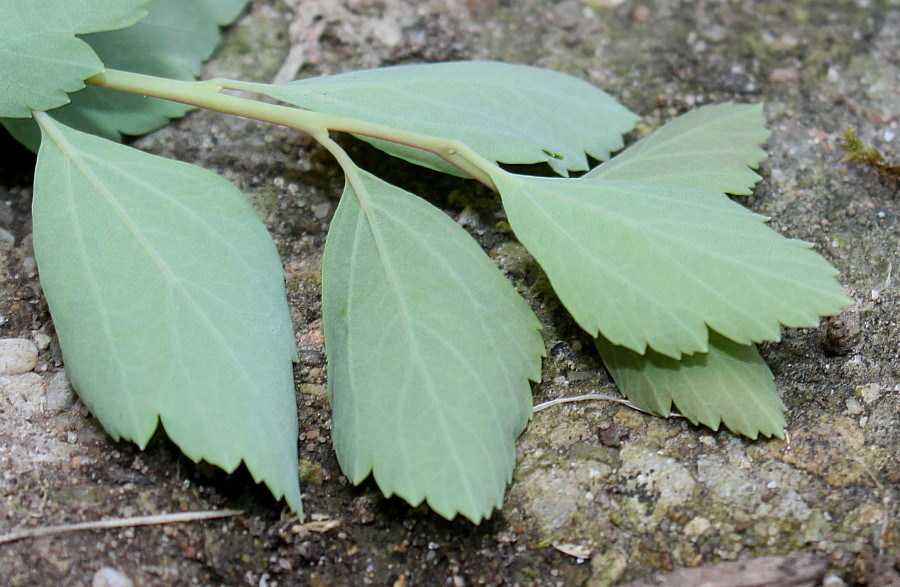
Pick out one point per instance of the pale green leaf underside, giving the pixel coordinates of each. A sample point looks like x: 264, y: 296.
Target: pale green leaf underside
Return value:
x: 173, y: 41
x: 656, y: 264
x: 507, y: 113
x: 168, y: 297
x: 429, y: 353
x: 711, y: 148
x: 40, y: 57
x: 731, y: 384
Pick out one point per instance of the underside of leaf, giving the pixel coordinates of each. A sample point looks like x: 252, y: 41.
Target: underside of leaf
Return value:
x: 657, y: 264
x: 40, y: 57
x: 430, y: 350
x: 507, y: 113
x: 171, y: 42
x: 730, y: 384
x: 711, y: 148
x: 168, y: 298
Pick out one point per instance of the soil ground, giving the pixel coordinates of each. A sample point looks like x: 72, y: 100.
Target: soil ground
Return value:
x: 636, y: 494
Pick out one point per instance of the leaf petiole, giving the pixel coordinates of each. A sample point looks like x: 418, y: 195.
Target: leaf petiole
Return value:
x: 209, y: 94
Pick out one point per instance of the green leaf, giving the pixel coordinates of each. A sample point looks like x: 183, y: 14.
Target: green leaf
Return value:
x: 711, y: 148
x: 730, y: 384
x: 507, y: 113
x: 429, y: 353
x: 224, y: 12
x: 656, y: 263
x: 40, y: 57
x: 173, y: 41
x: 168, y: 298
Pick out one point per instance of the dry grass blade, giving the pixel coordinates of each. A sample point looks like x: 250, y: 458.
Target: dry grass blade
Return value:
x: 117, y: 523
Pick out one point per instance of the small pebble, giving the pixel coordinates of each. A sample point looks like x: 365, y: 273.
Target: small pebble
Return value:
x: 840, y: 333
x: 42, y: 341
x: 697, y: 526
x: 365, y: 508
x: 869, y: 393
x: 17, y: 355
x: 613, y: 435
x: 109, y: 577
x: 854, y: 407
x: 322, y: 210
x: 311, y: 358
x: 60, y: 395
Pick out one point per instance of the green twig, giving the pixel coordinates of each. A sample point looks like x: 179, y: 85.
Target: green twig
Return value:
x: 208, y: 94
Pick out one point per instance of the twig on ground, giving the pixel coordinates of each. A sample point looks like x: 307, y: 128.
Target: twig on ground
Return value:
x: 589, y: 397
x: 117, y: 523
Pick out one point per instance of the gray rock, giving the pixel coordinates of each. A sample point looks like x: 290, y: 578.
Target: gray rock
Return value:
x: 60, y: 394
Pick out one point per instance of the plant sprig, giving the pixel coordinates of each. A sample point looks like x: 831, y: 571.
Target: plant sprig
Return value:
x: 209, y: 94
x: 168, y: 298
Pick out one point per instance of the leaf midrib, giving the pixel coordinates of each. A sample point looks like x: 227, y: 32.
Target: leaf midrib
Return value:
x: 366, y: 207
x: 74, y: 155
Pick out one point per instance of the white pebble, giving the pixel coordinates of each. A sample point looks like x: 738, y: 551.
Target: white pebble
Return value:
x: 853, y: 406
x: 42, y: 341
x: 869, y: 393
x: 17, y: 355
x: 109, y: 577
x: 697, y: 526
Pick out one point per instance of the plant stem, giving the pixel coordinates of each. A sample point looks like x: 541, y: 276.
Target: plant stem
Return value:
x: 350, y: 169
x: 208, y: 94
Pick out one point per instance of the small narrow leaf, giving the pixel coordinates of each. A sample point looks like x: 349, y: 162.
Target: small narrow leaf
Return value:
x: 656, y: 264
x: 711, y: 148
x: 40, y: 57
x: 507, y: 113
x: 168, y: 298
x: 157, y: 45
x: 730, y: 384
x: 429, y: 353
